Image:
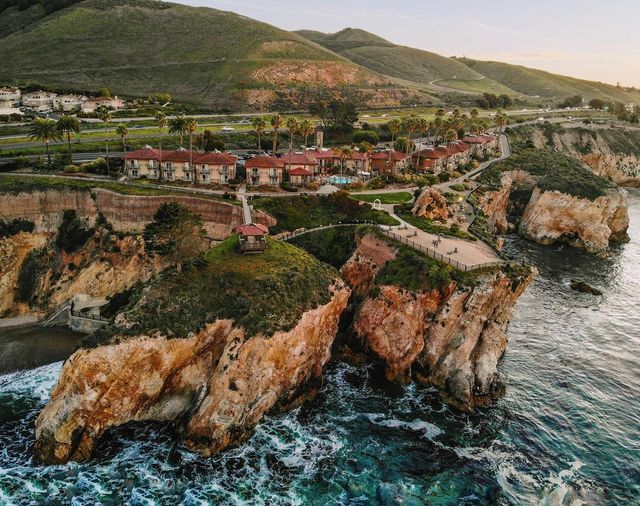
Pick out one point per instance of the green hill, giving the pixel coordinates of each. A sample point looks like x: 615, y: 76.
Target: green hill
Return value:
x: 442, y: 74
x: 405, y: 63
x: 535, y: 82
x: 200, y: 55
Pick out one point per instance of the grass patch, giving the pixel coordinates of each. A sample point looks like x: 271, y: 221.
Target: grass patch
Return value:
x: 413, y: 271
x: 263, y: 293
x: 309, y: 211
x: 333, y: 246
x: 14, y: 185
x: 385, y: 198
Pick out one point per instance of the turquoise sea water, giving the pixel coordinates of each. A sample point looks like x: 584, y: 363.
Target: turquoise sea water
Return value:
x: 567, y: 431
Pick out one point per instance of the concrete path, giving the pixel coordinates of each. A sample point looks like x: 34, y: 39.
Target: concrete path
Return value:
x: 18, y: 321
x: 469, y: 253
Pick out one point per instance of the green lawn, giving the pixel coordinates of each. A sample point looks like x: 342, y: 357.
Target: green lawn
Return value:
x: 385, y: 198
x: 309, y: 211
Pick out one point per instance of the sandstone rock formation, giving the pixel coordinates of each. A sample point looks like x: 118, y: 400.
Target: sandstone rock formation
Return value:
x: 432, y: 205
x: 216, y: 384
x: 100, y: 269
x: 451, y: 338
x: 608, y: 153
x: 552, y: 216
x: 126, y: 213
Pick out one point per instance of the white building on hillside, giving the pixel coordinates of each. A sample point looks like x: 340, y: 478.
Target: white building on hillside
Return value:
x: 39, y: 101
x: 92, y: 104
x: 68, y: 102
x: 10, y: 94
x: 7, y: 108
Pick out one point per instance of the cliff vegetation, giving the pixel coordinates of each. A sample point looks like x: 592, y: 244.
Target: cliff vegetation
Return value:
x: 261, y: 293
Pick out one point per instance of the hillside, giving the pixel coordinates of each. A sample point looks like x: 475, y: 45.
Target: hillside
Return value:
x: 535, y: 82
x: 405, y: 63
x: 441, y: 74
x: 200, y: 55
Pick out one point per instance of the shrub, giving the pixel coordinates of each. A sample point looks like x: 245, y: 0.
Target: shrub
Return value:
x: 229, y: 196
x: 288, y: 187
x: 72, y: 233
x: 70, y: 169
x: 366, y: 136
x: 32, y: 269
x: 13, y: 227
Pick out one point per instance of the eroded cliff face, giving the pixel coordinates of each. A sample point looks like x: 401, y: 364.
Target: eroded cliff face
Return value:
x: 451, y: 338
x: 13, y: 251
x: 126, y: 213
x: 216, y: 384
x: 106, y: 265
x: 599, y: 151
x: 552, y: 217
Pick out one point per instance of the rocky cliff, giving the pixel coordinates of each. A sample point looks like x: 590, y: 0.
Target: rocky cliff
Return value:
x: 612, y: 154
x: 552, y: 217
x: 450, y: 336
x: 105, y: 265
x: 173, y: 356
x: 126, y: 213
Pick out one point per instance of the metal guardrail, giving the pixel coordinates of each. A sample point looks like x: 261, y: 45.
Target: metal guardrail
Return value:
x: 86, y: 316
x: 293, y: 235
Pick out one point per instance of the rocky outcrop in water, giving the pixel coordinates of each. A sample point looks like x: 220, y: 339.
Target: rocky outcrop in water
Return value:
x: 552, y: 217
x: 216, y: 384
x: 451, y: 338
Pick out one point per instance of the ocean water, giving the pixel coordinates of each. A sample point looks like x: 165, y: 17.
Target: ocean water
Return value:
x: 567, y: 432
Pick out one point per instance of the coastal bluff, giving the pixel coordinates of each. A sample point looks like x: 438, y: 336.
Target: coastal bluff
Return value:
x: 126, y: 213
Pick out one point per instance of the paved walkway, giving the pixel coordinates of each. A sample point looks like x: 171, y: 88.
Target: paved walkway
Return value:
x: 469, y: 253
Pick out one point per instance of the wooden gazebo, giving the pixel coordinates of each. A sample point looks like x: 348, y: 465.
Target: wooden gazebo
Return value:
x: 253, y: 237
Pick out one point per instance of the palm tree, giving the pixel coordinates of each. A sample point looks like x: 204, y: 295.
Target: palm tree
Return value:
x: 259, y: 125
x: 45, y: 130
x: 122, y: 132
x: 178, y: 126
x: 276, y: 123
x: 306, y: 129
x: 292, y: 126
x: 105, y: 116
x: 161, y: 123
x: 192, y: 128
x: 344, y: 152
x: 394, y: 126
x: 501, y: 121
x: 410, y: 125
x: 474, y: 113
x: 68, y: 125
x: 422, y: 126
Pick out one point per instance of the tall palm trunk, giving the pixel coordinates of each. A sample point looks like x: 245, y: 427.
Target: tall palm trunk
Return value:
x: 69, y: 146
x: 193, y: 169
x: 46, y: 145
x: 259, y: 143
x: 107, y: 156
x: 275, y: 141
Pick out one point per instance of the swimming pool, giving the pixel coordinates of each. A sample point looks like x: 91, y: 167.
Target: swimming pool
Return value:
x: 340, y: 180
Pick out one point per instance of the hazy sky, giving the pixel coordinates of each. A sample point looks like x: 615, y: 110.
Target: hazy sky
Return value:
x: 592, y: 39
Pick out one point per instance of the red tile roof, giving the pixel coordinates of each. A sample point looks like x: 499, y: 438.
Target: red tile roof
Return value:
x: 215, y: 159
x: 396, y: 156
x: 298, y: 159
x: 265, y: 162
x: 146, y: 153
x: 181, y: 155
x: 299, y: 171
x: 252, y: 230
